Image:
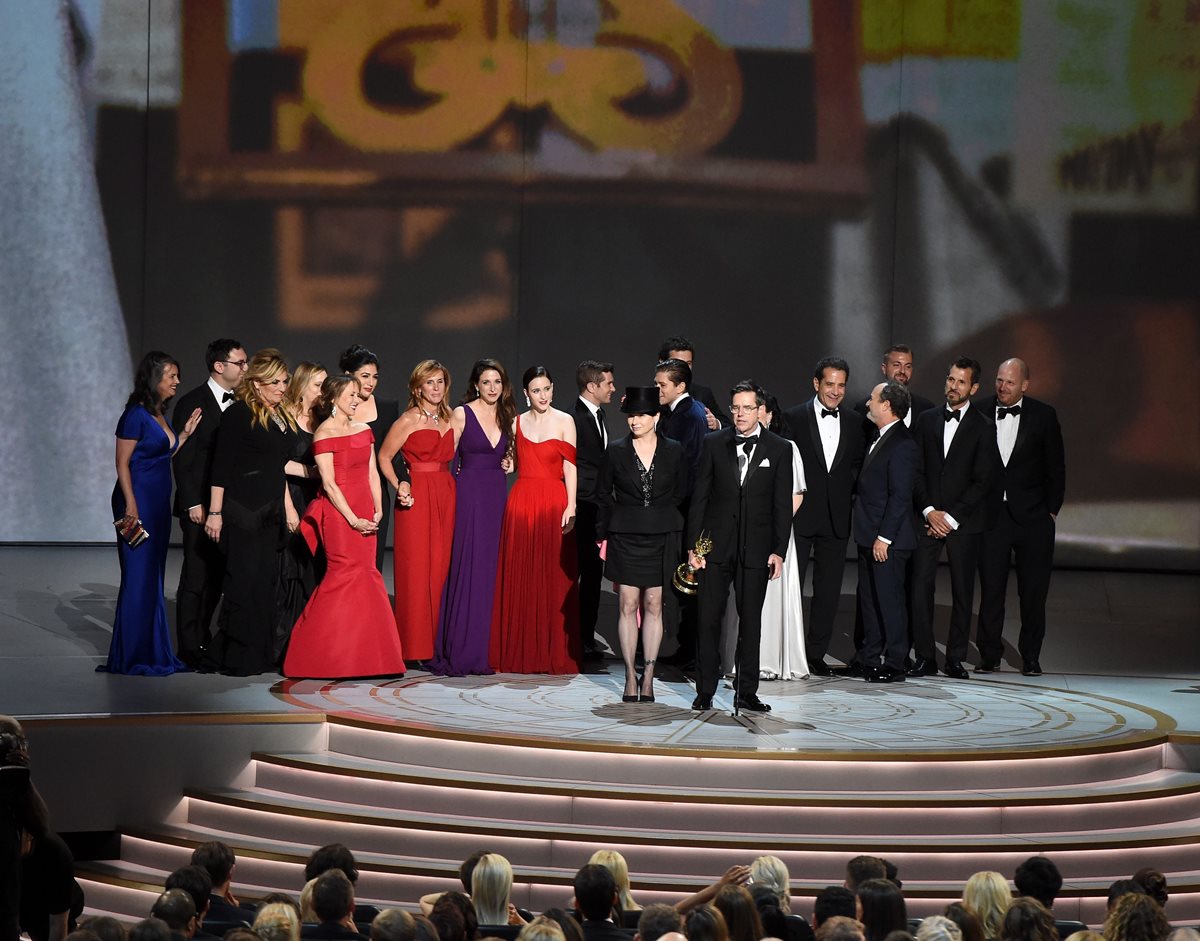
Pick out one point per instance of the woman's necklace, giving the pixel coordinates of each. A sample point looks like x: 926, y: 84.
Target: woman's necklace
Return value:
x: 432, y: 416
x: 278, y: 419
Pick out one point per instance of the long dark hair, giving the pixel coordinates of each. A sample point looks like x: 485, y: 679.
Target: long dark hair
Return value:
x: 506, y: 405
x: 883, y: 909
x: 146, y: 378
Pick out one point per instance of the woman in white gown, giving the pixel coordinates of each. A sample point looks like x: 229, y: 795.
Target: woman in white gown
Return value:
x: 781, y: 648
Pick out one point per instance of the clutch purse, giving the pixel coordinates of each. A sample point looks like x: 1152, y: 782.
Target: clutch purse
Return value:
x: 133, y: 532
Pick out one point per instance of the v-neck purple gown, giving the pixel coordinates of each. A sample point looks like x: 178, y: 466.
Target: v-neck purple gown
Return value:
x: 464, y: 629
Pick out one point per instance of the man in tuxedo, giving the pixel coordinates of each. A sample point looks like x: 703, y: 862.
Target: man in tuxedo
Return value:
x: 830, y: 440
x: 333, y: 904
x: 596, y: 386
x: 885, y: 534
x: 680, y: 348
x: 897, y: 366
x: 743, y: 502
x: 596, y: 898
x: 1033, y: 482
x: 203, y: 566
x: 683, y: 419
x: 954, y: 493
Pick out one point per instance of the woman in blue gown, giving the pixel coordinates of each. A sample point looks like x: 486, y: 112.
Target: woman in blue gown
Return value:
x: 141, y: 641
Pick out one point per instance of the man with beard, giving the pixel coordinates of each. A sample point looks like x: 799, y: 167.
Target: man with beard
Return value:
x: 897, y: 366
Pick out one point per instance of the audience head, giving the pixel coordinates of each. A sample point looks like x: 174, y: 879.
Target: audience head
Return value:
x: 736, y: 905
x: 1027, y: 919
x: 938, y: 928
x: 892, y: 873
x: 900, y: 934
x: 491, y: 886
x: 225, y: 360
x: 677, y: 347
x: 772, y: 872
x: 279, y: 898
x: 461, y: 903
x: 154, y: 381
x: 176, y: 908
x: 278, y: 921
x: 332, y: 896
x: 595, y: 892
x: 104, y: 927
x: 1123, y: 887
x: 393, y: 924
x: 82, y: 934
x: 657, y: 920
x: 1038, y: 878
x: 774, y: 919
x: 705, y: 923
x: 542, y: 929
x: 1154, y: 883
x: 1179, y: 934
x: 968, y: 922
x: 332, y: 856
x: 881, y: 908
x: 307, y: 915
x: 987, y: 894
x: 861, y: 868
x: 841, y: 928
x: 673, y: 378
x: 150, y: 929
x: 449, y: 918
x: 217, y: 860
x: 567, y: 922
x: 615, y: 863
x: 196, y: 882
x: 425, y: 929
x: 467, y: 868
x: 242, y: 933
x: 834, y: 901
x: 429, y: 388
x: 1136, y: 917
x: 1088, y: 935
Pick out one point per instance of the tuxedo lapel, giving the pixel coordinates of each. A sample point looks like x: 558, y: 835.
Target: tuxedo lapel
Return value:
x: 886, y: 442
x: 814, y: 429
x: 1023, y: 433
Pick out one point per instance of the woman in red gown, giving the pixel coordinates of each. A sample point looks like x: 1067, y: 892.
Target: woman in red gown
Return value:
x: 535, y: 615
x: 424, y: 531
x: 347, y: 628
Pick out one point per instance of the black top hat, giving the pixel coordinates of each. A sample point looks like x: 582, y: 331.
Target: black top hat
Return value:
x: 640, y: 400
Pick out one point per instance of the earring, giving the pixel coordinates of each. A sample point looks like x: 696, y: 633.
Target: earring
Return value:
x: 333, y: 412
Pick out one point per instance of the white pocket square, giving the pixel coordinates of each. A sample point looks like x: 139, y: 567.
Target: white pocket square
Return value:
x: 766, y: 462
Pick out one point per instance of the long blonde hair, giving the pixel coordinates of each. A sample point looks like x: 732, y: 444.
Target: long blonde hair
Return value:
x: 987, y: 894
x: 264, y: 366
x: 277, y: 922
x: 615, y: 863
x: 491, y: 887
x: 422, y: 371
x: 293, y: 399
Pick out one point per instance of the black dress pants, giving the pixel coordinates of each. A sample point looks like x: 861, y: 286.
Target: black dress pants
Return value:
x: 199, y: 589
x: 1032, y: 544
x: 962, y: 553
x: 749, y: 590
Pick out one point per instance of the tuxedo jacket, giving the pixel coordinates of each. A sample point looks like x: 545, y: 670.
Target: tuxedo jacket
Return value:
x: 328, y: 931
x: 689, y: 426
x: 589, y: 453
x: 604, y: 931
x: 748, y: 521
x: 963, y: 482
x: 918, y: 407
x: 705, y: 395
x: 1035, y: 478
x: 193, y: 462
x: 619, y: 491
x: 885, y: 491
x: 830, y: 492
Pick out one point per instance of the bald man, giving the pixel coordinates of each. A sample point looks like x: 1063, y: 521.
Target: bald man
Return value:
x: 1034, y: 482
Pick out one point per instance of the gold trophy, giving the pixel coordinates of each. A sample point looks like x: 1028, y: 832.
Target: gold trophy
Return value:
x: 685, y: 579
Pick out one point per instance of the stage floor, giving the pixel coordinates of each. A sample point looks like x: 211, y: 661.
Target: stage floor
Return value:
x: 1122, y: 658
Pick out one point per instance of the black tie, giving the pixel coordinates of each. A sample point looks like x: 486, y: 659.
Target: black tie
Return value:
x: 1002, y: 411
x: 600, y: 423
x: 227, y: 397
x: 825, y: 412
x: 952, y: 415
x: 747, y: 443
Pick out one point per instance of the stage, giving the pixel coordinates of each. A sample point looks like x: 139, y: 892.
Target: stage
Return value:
x: 1096, y: 764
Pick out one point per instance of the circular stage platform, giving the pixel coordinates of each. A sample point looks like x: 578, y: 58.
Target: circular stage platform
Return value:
x: 831, y: 715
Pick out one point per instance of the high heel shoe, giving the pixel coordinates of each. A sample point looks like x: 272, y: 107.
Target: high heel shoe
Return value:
x: 647, y: 667
x: 636, y: 695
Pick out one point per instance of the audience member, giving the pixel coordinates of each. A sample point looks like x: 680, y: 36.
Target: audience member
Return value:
x: 279, y: 898
x: 881, y: 908
x: 987, y: 894
x: 462, y: 904
x: 938, y: 928
x: 218, y: 861
x: 841, y: 928
x: 968, y: 922
x: 81, y: 934
x: 1027, y: 919
x: 279, y: 921
x: 425, y: 929
x: 1136, y: 917
x: 657, y: 920
x: 737, y: 907
x: 1088, y: 935
x: 307, y: 915
x: 1123, y: 887
x: 177, y: 910
x: 566, y: 921
x: 1179, y: 934
x: 242, y: 934
x: 734, y: 875
x: 1154, y: 883
x: 491, y: 889
x: 899, y: 934
x: 338, y: 856
x: 776, y: 923
x: 150, y: 929
x: 862, y: 868
x: 393, y: 924
x: 333, y: 907
x: 833, y: 901
x: 1038, y: 878
x: 705, y: 923
x: 596, y: 897
x: 104, y: 927
x: 615, y: 863
x: 892, y: 873
x: 772, y: 872
x: 195, y: 882
x: 448, y: 922
x: 541, y: 929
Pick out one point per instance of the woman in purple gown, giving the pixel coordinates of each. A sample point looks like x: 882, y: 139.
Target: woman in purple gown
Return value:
x: 481, y: 463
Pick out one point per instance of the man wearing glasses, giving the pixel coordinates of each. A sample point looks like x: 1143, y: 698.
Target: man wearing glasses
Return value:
x: 203, y: 567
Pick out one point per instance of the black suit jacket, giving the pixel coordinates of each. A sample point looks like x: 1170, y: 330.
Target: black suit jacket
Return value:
x: 687, y: 425
x: 193, y: 462
x: 1035, y: 479
x: 328, y: 931
x: 747, y: 522
x: 885, y: 491
x: 619, y: 492
x: 919, y: 406
x: 963, y: 483
x: 589, y: 453
x: 830, y: 492
x: 604, y: 931
x: 706, y: 398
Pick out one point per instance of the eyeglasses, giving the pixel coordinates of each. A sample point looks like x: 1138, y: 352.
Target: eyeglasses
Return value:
x: 239, y: 363
x: 743, y: 409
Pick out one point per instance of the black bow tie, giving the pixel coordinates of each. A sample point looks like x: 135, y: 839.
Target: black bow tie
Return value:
x: 952, y: 414
x: 1002, y: 411
x: 227, y: 397
x: 747, y: 442
x: 826, y: 412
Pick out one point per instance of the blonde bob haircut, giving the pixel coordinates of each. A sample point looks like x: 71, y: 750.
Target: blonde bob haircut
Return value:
x: 541, y: 929
x: 987, y: 894
x: 277, y: 922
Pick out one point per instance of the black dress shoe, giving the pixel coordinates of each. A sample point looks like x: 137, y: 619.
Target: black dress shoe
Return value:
x: 752, y: 704
x: 878, y: 675
x: 923, y: 667
x: 1031, y: 668
x: 592, y: 654
x: 988, y: 666
x: 955, y: 670
x: 853, y: 668
x: 702, y: 703
x: 819, y: 668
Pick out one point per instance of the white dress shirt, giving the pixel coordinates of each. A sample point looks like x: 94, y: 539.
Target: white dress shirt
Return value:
x: 744, y: 457
x: 595, y: 410
x: 948, y: 434
x: 679, y: 401
x: 219, y: 394
x: 831, y: 433
x: 1006, y: 432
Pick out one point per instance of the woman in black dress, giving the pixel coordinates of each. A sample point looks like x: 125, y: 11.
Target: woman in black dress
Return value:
x: 250, y: 514
x: 380, y: 415
x: 642, y: 483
